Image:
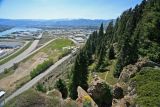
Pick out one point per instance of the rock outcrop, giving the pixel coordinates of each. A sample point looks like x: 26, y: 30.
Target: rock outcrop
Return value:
x: 100, y: 92
x: 84, y: 99
x: 128, y: 86
x: 118, y: 91
x: 130, y: 70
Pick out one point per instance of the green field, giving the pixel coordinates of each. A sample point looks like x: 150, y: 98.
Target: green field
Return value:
x: 55, y: 48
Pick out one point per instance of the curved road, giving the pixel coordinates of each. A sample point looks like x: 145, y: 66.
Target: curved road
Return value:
x: 32, y: 82
x: 21, y: 56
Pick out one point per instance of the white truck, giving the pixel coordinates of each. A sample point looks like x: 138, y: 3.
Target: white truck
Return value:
x: 2, y: 93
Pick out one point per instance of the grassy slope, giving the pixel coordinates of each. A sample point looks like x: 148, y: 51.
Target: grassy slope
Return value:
x: 148, y: 87
x: 33, y: 98
x: 53, y: 50
x: 107, y: 75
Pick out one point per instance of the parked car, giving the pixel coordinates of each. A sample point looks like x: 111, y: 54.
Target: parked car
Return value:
x: 2, y: 93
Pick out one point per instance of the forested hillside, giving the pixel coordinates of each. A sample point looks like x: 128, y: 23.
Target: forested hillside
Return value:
x: 134, y: 36
x: 119, y: 66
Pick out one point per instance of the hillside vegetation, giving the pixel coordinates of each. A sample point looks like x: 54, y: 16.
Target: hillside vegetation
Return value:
x: 109, y: 52
x: 32, y: 98
x: 148, y: 85
x: 35, y: 64
x: 135, y: 35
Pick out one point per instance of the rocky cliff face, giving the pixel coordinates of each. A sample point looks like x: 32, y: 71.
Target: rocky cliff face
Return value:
x: 127, y: 85
x: 130, y: 70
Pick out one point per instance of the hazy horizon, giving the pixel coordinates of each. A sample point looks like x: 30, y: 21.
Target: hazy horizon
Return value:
x: 60, y: 19
x: 64, y: 9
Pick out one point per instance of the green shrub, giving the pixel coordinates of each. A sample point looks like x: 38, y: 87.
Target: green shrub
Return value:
x: 15, y: 66
x: 41, y: 68
x: 118, y: 69
x: 61, y: 86
x: 147, y: 87
x: 6, y: 71
x: 41, y: 88
x: 64, y: 54
x: 111, y: 53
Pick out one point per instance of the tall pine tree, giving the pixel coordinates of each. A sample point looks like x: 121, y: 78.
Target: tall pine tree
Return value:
x: 79, y: 74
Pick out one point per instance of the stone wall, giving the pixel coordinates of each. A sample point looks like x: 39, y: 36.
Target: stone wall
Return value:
x: 60, y: 72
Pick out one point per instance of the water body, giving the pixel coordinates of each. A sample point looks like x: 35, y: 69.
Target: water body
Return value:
x: 15, y: 29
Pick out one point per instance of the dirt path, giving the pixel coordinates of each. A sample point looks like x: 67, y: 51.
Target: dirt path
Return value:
x: 24, y: 69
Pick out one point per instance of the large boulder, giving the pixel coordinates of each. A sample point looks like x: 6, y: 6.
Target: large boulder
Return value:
x: 101, y: 93
x: 55, y: 93
x: 118, y: 92
x: 84, y: 100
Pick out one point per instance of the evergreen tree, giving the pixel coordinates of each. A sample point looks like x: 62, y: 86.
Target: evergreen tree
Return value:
x: 61, y: 86
x: 111, y: 54
x: 128, y: 52
x: 101, y: 30
x: 109, y: 34
x: 101, y: 64
x: 100, y: 39
x: 135, y: 33
x: 79, y: 74
x: 102, y: 59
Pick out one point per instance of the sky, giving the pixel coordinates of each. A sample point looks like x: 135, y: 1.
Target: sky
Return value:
x: 62, y: 9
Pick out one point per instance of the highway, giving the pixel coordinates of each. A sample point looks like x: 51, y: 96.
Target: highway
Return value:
x: 32, y: 82
x: 77, y: 43
x: 27, y: 53
x: 21, y: 56
x: 27, y: 42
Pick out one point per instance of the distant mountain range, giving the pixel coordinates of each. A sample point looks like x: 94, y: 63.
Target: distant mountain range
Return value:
x: 54, y: 22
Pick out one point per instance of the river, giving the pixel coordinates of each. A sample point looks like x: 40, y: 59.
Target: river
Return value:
x: 15, y: 29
